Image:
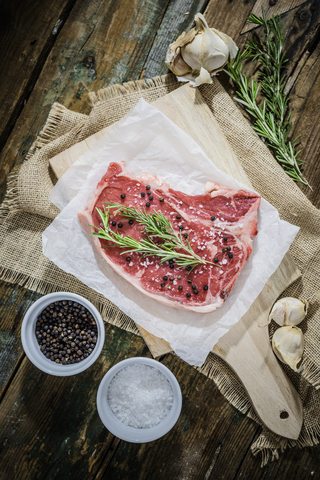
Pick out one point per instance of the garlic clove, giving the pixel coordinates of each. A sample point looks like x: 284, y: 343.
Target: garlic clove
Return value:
x: 288, y: 345
x: 177, y: 65
x: 232, y: 46
x: 174, y: 59
x: 288, y: 311
x: 204, y: 77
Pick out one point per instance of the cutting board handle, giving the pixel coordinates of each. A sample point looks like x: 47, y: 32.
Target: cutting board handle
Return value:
x: 246, y: 348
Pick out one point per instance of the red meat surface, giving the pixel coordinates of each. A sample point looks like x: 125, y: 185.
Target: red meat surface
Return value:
x: 235, y: 226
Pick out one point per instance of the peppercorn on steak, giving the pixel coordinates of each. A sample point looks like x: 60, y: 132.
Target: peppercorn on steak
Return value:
x: 181, y: 250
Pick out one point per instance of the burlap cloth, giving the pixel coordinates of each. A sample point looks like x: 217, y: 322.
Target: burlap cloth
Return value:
x: 26, y: 212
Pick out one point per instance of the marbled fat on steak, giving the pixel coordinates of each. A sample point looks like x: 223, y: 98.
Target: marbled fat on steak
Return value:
x: 234, y: 227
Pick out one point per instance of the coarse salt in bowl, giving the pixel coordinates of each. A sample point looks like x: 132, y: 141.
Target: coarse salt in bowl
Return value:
x: 32, y: 348
x: 139, y: 400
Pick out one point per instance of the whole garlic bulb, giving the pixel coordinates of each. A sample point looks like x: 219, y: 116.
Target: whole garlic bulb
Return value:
x: 200, y: 53
x: 288, y: 344
x: 288, y: 311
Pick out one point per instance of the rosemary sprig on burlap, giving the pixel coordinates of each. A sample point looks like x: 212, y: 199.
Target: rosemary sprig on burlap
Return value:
x: 272, y: 118
x: 155, y: 225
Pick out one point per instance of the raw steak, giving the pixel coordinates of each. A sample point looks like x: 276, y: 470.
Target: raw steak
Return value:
x: 232, y: 230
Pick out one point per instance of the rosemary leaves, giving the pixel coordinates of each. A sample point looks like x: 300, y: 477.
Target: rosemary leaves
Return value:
x: 272, y: 118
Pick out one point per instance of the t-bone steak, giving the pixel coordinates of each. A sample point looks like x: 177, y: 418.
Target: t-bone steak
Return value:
x: 220, y: 224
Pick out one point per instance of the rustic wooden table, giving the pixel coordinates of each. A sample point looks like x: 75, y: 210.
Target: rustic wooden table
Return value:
x: 61, y: 50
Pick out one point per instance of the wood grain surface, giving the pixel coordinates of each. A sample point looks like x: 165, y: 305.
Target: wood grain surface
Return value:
x: 26, y: 39
x: 43, y: 432
x: 272, y: 8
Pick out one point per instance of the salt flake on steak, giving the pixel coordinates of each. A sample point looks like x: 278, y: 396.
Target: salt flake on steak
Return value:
x: 228, y: 238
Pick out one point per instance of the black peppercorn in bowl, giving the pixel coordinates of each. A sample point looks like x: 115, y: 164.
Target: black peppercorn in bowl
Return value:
x: 62, y: 334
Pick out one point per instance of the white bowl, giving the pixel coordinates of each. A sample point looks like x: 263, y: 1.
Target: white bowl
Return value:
x: 131, y: 434
x: 32, y: 348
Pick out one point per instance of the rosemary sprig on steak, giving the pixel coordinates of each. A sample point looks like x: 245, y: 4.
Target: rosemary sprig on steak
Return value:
x: 155, y: 225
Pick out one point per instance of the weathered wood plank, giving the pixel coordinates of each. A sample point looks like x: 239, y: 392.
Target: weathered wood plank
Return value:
x: 306, y: 122
x: 179, y: 17
x: 301, y: 31
x: 272, y: 8
x: 28, y: 31
x: 301, y: 27
x: 229, y: 17
x: 294, y: 463
x: 14, y: 302
x: 293, y: 77
x: 101, y: 43
x: 234, y: 446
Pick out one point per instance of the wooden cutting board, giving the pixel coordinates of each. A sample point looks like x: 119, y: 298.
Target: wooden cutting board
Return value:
x: 246, y: 347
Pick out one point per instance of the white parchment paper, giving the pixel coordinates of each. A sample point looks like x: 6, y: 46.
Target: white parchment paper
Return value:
x: 150, y: 143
